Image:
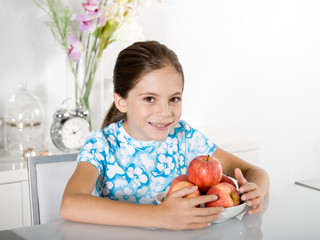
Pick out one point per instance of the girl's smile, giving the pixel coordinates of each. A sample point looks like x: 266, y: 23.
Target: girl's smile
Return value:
x: 161, y: 126
x: 154, y: 105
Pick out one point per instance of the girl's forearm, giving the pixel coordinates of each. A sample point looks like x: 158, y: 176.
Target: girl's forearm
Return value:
x: 92, y: 209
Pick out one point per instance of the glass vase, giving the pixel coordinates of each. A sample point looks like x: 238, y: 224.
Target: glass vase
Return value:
x: 24, y: 119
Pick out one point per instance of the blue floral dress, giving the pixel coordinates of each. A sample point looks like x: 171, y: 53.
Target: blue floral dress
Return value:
x: 136, y: 171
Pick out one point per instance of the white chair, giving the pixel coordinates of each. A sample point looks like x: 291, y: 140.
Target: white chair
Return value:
x: 48, y: 177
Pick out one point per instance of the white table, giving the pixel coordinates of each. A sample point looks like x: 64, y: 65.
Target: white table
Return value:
x: 290, y: 212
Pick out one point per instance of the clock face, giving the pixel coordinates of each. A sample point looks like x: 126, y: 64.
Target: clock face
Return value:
x: 74, y: 132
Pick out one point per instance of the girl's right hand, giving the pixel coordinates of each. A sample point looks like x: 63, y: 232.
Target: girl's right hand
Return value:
x: 177, y: 212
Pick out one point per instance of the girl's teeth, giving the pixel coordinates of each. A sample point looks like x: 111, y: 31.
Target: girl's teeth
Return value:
x: 158, y: 125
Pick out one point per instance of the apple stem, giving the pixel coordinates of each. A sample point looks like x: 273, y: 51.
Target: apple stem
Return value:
x: 208, y: 158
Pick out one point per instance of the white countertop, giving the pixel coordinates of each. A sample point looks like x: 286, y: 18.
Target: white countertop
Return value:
x: 290, y: 212
x: 9, y: 162
x: 14, y: 169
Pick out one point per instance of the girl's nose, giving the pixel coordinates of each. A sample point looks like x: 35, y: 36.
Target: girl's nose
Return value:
x: 163, y: 109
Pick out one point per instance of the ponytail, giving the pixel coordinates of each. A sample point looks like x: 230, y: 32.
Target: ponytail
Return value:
x: 113, y: 116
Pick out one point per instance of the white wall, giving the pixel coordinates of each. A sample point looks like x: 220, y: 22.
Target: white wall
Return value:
x: 251, y: 70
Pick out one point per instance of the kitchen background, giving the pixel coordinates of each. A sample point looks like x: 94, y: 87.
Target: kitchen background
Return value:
x: 252, y: 71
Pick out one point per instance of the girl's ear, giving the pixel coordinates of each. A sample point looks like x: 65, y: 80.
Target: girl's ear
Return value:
x: 120, y: 103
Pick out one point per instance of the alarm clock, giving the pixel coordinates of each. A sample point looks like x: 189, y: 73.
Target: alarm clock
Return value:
x: 70, y: 128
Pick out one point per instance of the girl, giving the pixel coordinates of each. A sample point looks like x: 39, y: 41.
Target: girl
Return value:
x: 144, y: 145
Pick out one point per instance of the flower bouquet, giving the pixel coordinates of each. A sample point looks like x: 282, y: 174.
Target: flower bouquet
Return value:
x: 99, y: 24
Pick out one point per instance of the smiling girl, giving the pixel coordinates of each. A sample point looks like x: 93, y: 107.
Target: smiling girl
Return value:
x: 142, y: 146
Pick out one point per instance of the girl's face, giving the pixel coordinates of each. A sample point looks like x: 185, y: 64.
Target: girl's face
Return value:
x: 154, y: 105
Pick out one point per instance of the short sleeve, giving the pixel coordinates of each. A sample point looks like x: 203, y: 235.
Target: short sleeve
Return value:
x: 94, y: 151
x: 197, y: 143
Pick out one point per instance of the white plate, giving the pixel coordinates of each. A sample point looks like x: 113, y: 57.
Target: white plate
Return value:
x: 226, y: 215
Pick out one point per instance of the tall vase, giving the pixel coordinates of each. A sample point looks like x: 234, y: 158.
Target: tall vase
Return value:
x: 97, y: 96
x: 92, y: 90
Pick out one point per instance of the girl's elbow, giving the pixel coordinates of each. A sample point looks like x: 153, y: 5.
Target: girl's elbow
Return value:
x: 65, y: 208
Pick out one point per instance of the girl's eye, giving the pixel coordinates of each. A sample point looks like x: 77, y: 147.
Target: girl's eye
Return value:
x: 175, y: 99
x: 148, y: 99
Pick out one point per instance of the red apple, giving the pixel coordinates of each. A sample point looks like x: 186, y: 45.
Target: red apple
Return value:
x: 226, y: 179
x: 205, y: 172
x: 179, y: 178
x: 227, y: 194
x: 180, y: 185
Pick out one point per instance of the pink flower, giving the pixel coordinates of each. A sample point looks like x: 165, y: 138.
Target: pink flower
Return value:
x: 88, y: 21
x: 76, y: 47
x: 91, y: 5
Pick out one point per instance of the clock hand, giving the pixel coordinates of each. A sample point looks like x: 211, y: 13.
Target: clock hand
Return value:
x: 74, y: 132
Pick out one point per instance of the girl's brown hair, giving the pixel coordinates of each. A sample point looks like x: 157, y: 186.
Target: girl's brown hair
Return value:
x: 132, y: 64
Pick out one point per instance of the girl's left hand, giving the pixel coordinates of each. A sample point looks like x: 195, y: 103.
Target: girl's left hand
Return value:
x: 250, y: 192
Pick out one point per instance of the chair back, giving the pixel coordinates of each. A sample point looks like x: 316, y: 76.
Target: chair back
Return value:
x: 48, y: 177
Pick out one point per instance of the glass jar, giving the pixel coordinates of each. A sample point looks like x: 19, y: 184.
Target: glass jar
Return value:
x: 24, y: 119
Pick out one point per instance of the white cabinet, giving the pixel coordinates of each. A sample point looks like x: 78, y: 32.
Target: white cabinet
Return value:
x: 14, y: 194
x: 10, y: 206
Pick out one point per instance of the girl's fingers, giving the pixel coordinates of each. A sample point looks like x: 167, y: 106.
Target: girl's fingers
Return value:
x: 249, y: 186
x: 183, y: 191
x: 254, y: 202
x: 239, y: 176
x: 255, y: 210
x: 199, y: 225
x: 251, y: 194
x: 203, y: 199
x: 208, y: 211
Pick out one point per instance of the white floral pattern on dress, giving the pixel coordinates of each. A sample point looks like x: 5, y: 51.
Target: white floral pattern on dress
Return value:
x: 136, y: 171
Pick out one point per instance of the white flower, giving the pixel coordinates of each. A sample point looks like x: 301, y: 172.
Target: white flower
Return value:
x: 130, y: 149
x: 114, y: 169
x: 136, y: 175
x: 97, y: 146
x: 128, y: 12
x: 170, y: 166
x: 120, y: 182
x: 163, y: 148
x: 132, y: 199
x: 119, y: 195
x: 181, y: 160
x: 99, y: 156
x: 128, y: 33
x: 169, y: 140
x: 145, y: 200
x: 127, y: 191
x: 86, y: 154
x: 165, y: 164
x: 98, y: 134
x: 146, y: 161
x: 142, y: 191
x: 109, y: 185
x: 110, y: 12
x: 88, y: 146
